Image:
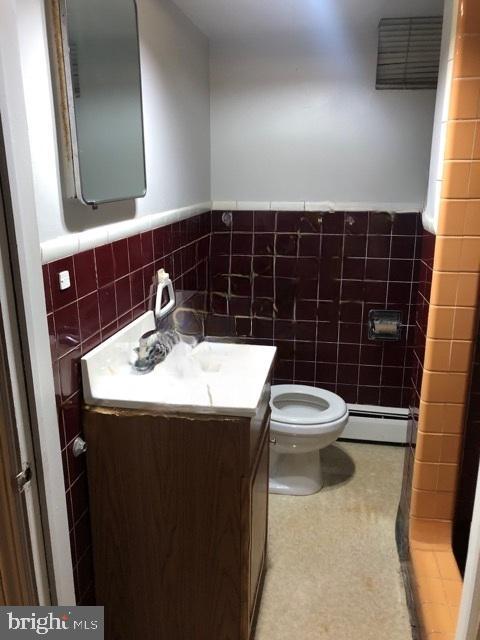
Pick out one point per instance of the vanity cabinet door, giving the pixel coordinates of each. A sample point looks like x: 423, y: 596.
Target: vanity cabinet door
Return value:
x: 258, y: 524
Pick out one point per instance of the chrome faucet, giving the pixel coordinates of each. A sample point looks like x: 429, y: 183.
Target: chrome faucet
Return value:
x: 153, y: 347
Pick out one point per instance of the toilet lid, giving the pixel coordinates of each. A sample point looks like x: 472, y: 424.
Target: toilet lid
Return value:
x: 303, y: 405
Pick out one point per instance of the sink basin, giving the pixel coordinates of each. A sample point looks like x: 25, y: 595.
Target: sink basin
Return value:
x: 213, y: 377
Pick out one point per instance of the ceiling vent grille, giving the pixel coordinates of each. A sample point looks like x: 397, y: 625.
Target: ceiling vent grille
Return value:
x: 409, y: 53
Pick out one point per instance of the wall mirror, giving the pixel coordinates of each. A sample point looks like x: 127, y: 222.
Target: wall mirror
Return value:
x: 103, y: 84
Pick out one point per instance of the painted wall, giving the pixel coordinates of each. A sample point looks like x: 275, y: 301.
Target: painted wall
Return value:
x: 293, y: 114
x: 296, y: 117
x: 176, y: 100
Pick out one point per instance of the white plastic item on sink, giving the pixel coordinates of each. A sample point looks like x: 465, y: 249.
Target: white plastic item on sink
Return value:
x: 164, y: 282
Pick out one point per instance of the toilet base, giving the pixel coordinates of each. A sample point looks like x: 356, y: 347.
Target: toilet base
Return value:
x: 297, y: 474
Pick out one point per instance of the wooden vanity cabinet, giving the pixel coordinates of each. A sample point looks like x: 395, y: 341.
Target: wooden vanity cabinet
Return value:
x: 179, y: 521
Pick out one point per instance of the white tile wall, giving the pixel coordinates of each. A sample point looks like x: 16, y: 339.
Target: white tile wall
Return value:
x: 391, y: 207
x: 73, y: 243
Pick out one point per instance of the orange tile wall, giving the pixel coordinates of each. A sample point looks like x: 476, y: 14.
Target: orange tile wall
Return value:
x: 450, y: 337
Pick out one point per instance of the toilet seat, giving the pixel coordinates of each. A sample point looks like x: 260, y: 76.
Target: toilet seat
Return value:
x: 304, y: 409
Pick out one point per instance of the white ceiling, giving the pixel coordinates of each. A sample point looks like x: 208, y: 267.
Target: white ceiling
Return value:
x: 221, y: 19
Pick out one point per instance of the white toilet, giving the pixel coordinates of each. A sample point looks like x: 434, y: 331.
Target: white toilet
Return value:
x: 304, y: 420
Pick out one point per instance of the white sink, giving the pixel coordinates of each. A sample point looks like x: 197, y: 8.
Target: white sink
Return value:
x: 213, y: 377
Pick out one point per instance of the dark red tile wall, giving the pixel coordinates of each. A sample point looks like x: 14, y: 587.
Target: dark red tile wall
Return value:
x: 111, y: 286
x: 305, y: 283
x: 422, y: 303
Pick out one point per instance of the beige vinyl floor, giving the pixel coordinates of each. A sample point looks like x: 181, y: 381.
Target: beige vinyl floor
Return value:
x: 333, y: 570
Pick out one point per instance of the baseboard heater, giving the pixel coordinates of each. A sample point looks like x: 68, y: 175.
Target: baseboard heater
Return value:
x: 376, y: 424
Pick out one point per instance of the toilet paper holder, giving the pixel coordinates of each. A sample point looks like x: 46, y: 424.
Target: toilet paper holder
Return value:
x: 384, y: 324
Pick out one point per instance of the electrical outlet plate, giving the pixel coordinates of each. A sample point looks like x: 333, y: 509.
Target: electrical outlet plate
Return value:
x: 64, y: 280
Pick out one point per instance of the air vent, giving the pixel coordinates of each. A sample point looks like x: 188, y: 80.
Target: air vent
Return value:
x: 409, y: 53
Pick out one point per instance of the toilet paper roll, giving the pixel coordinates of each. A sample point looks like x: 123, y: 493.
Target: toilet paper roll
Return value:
x: 385, y: 327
